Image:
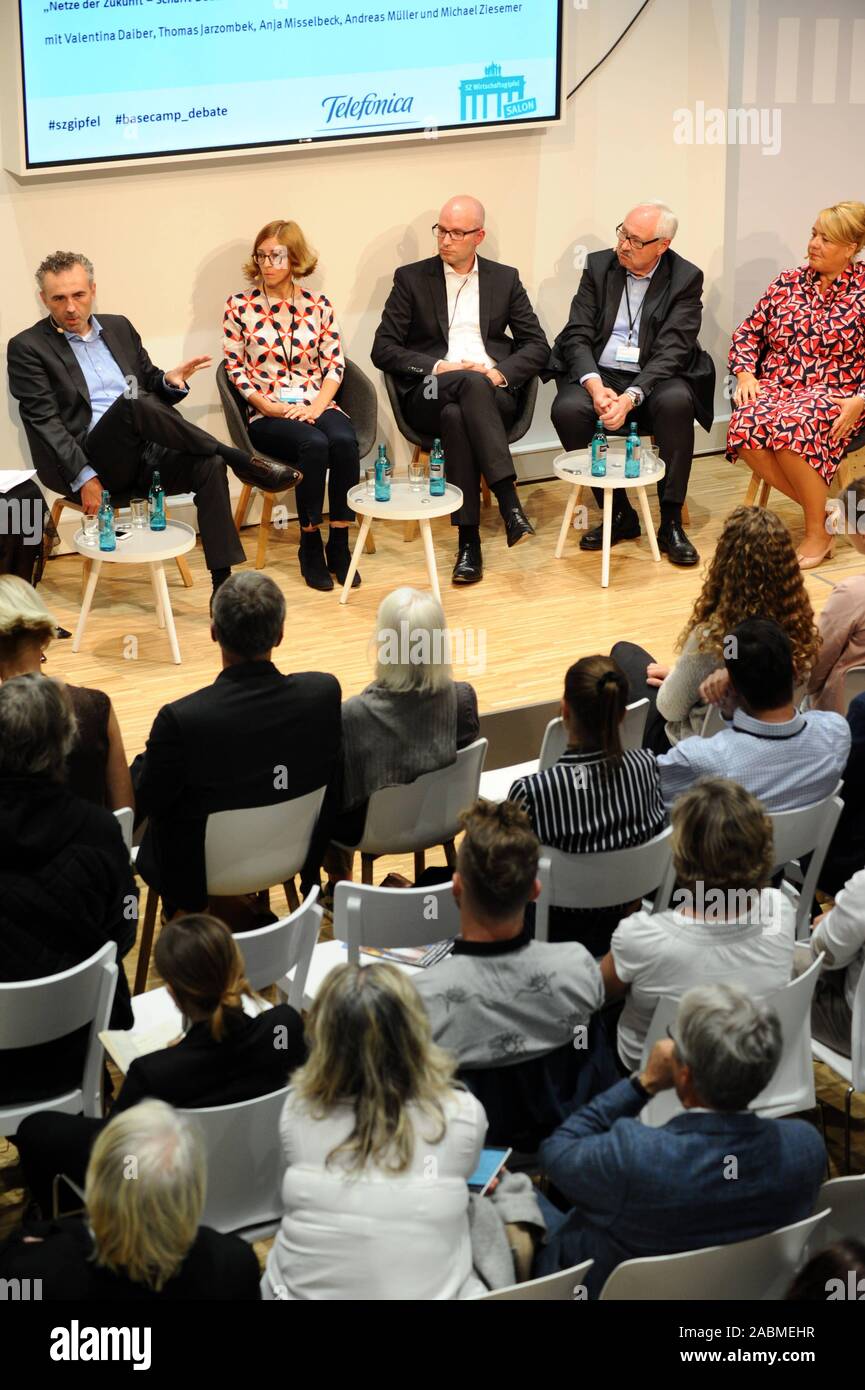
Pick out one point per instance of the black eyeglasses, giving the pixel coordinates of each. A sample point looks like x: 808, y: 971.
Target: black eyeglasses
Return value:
x: 634, y: 241
x: 455, y: 234
x: 274, y: 257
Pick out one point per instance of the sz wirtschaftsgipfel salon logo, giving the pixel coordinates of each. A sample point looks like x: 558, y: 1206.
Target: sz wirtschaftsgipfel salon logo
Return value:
x: 494, y: 97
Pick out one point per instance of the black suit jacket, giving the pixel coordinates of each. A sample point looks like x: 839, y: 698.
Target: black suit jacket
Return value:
x: 413, y: 333
x: 49, y: 386
x: 669, y: 328
x: 220, y: 749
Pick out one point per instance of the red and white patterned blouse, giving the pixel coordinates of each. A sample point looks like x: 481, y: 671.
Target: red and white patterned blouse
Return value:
x: 258, y: 338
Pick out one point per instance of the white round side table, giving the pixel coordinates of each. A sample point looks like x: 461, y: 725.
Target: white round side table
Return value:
x: 405, y: 505
x: 576, y: 468
x: 145, y: 547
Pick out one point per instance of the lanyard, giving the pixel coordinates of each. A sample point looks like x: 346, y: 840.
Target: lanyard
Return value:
x: 276, y: 327
x: 632, y: 322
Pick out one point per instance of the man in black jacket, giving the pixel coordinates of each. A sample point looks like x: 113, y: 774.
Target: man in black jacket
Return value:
x: 460, y: 337
x: 630, y: 348
x: 253, y: 738
x: 98, y: 414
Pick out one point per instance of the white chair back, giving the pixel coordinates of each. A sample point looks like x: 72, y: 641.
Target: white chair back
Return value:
x: 845, y: 1198
x: 791, y: 1089
x: 854, y: 684
x: 809, y: 829
x: 39, y: 1011
x: 600, y: 880
x: 248, y: 850
x: 271, y: 953
x: 564, y: 1287
x: 713, y: 723
x: 388, y: 917
x: 756, y: 1270
x: 125, y: 818
x: 245, y: 1165
x: 631, y: 734
x: 425, y: 812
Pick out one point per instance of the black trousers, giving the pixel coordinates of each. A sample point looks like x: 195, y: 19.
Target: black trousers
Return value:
x: 50, y: 1143
x: 136, y: 437
x: 472, y: 418
x: 330, y: 443
x: 668, y: 414
x: 633, y: 660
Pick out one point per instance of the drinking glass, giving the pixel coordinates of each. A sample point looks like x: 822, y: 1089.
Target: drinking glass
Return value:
x: 90, y: 527
x: 140, y: 508
x: 416, y: 475
x: 370, y: 480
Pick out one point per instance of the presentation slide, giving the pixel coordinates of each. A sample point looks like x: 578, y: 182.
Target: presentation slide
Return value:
x: 120, y: 79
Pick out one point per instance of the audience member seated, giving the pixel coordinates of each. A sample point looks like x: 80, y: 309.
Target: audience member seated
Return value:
x: 66, y: 886
x: 253, y: 738
x: 597, y: 797
x: 226, y: 1054
x: 724, y: 922
x: 840, y: 932
x: 784, y: 758
x: 411, y: 719
x: 141, y: 1239
x: 754, y: 573
x: 836, y: 1273
x: 378, y: 1143
x: 96, y: 767
x: 846, y: 852
x: 842, y: 619
x: 514, y: 1012
x: 638, y: 1191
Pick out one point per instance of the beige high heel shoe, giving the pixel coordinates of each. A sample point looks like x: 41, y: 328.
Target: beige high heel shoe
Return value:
x: 810, y: 562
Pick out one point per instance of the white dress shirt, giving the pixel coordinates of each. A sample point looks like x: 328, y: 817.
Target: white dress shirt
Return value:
x: 465, y: 343
x: 842, y: 934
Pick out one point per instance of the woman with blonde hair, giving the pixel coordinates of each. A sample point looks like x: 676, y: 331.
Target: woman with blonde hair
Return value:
x: 754, y: 573
x: 141, y: 1237
x: 283, y: 352
x: 799, y: 363
x: 96, y: 767
x: 379, y: 1143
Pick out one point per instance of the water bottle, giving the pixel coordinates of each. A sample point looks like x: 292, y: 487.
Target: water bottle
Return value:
x: 157, y: 504
x: 382, y: 475
x: 599, y: 451
x: 437, y: 470
x: 632, y: 452
x: 107, y: 539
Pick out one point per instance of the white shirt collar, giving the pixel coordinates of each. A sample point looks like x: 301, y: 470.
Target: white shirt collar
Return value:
x: 459, y: 274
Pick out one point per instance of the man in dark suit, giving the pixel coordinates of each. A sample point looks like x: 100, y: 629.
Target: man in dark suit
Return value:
x: 461, y: 338
x: 98, y: 414
x: 253, y: 738
x: 715, y: 1174
x: 630, y: 348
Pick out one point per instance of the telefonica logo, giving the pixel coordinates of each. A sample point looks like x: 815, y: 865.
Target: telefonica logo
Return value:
x: 349, y: 108
x: 76, y: 1343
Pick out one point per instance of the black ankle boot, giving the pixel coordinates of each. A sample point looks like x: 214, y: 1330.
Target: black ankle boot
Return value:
x: 312, y: 564
x: 338, y: 555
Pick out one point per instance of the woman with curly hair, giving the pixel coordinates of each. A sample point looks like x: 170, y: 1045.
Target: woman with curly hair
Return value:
x: 754, y: 573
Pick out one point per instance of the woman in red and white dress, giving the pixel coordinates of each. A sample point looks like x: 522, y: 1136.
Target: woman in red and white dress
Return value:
x: 283, y: 352
x: 799, y: 363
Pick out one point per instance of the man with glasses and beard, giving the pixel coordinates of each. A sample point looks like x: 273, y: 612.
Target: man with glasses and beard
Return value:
x: 629, y: 351
x: 460, y: 337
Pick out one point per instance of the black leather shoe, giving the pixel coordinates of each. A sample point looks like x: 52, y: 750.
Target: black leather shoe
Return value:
x: 625, y: 527
x: 62, y: 632
x: 469, y: 568
x: 270, y: 477
x: 517, y: 525
x: 675, y: 544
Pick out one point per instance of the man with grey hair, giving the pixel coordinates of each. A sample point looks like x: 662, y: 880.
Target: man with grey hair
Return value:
x: 629, y: 352
x: 461, y: 339
x: 99, y: 415
x: 714, y: 1174
x: 253, y: 738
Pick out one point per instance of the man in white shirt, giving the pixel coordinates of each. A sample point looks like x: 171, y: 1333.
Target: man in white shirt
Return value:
x: 461, y: 339
x: 840, y: 933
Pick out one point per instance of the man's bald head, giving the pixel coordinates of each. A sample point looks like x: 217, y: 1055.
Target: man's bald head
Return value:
x: 462, y: 212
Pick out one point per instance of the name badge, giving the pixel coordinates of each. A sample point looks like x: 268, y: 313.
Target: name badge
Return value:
x: 628, y: 352
x: 291, y: 395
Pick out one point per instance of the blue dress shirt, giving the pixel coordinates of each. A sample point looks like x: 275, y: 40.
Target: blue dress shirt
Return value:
x: 637, y: 288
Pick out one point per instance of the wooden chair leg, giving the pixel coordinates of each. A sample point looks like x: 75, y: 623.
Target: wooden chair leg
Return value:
x: 419, y: 863
x: 751, y: 494
x: 57, y: 511
x: 369, y: 543
x: 486, y: 499
x: 291, y: 895
x: 765, y: 489
x: 145, y: 943
x: 686, y: 515
x: 263, y: 529
x: 450, y: 854
x: 366, y: 863
x: 242, y: 507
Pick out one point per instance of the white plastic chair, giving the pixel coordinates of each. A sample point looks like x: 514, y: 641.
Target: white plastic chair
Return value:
x: 851, y: 1069
x: 713, y: 722
x: 284, y: 949
x: 846, y: 1199
x: 760, y: 1269
x: 791, y: 1089
x: 601, y: 880
x: 125, y: 818
x: 388, y: 917
x: 38, y: 1011
x: 413, y: 818
x: 854, y: 684
x: 563, y: 1287
x: 631, y: 734
x: 245, y: 1165
x: 246, y: 851
x: 807, y: 830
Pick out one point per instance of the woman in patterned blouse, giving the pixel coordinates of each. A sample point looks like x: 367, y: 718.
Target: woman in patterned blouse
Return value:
x: 283, y: 352
x: 799, y: 363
